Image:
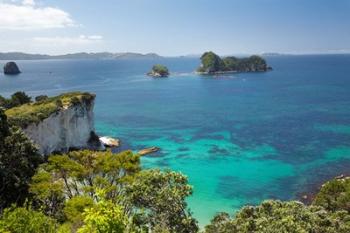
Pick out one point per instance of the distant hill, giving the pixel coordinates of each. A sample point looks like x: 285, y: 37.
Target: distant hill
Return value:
x: 103, y: 55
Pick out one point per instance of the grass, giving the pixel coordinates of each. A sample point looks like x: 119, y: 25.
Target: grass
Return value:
x: 35, y: 112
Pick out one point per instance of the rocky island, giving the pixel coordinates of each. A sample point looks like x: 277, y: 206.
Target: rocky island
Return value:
x: 211, y: 63
x: 159, y: 71
x: 11, y: 68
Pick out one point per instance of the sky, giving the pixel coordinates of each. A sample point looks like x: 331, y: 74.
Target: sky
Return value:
x: 175, y: 27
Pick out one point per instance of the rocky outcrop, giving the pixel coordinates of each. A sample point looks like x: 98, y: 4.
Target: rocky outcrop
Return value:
x: 69, y: 128
x: 11, y: 68
x: 148, y: 151
x: 109, y: 142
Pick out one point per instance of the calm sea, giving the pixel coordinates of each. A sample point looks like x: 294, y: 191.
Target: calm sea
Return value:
x: 239, y: 138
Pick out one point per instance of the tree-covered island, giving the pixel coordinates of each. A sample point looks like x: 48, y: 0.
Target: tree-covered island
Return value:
x: 211, y: 63
x: 159, y: 71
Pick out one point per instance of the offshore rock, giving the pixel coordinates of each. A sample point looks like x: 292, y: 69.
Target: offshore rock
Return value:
x: 11, y: 68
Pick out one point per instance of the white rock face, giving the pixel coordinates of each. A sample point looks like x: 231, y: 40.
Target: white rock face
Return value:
x: 109, y: 142
x: 69, y: 128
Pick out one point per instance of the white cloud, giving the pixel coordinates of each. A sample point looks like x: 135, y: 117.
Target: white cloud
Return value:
x: 28, y: 2
x: 68, y: 41
x: 28, y: 16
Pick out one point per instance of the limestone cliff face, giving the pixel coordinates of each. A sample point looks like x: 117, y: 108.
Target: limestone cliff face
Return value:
x: 70, y: 127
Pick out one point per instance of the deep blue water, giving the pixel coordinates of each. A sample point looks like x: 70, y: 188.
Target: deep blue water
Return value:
x: 240, y: 138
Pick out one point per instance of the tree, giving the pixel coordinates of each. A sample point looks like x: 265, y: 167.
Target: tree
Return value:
x: 23, y: 220
x: 334, y: 195
x: 19, y: 98
x: 103, y: 217
x: 81, y: 173
x: 40, y: 98
x: 285, y: 217
x: 18, y: 160
x: 160, y: 201
x: 16, y: 99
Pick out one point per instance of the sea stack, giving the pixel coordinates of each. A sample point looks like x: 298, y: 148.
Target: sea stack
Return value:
x: 11, y: 68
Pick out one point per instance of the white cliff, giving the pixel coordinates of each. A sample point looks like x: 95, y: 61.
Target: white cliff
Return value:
x: 71, y: 127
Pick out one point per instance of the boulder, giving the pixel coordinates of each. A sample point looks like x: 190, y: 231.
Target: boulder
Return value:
x: 110, y: 142
x: 149, y: 150
x: 11, y: 68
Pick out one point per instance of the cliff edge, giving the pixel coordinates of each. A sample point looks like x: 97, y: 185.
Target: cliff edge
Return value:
x: 59, y: 123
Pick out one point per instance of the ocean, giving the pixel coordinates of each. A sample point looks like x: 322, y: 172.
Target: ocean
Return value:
x: 240, y: 138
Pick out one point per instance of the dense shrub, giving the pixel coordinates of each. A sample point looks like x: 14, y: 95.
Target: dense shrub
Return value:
x: 334, y: 195
x: 23, y: 220
x: 285, y: 217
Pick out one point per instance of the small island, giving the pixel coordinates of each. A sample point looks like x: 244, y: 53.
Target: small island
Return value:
x: 211, y: 63
x: 159, y: 71
x: 11, y: 68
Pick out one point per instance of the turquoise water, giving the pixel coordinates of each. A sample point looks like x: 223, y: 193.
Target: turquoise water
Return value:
x: 239, y: 138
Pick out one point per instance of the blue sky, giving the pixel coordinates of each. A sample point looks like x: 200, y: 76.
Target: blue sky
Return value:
x: 180, y: 27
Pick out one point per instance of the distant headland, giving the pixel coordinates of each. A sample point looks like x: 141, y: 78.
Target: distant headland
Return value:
x: 211, y: 63
x: 102, y: 55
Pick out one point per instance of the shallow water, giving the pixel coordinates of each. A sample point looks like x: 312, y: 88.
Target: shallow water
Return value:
x: 240, y: 138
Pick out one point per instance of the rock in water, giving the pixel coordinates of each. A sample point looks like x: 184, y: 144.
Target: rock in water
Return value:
x: 11, y: 68
x: 148, y: 151
x: 110, y: 142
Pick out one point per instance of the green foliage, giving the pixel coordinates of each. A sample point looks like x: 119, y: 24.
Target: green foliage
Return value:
x: 103, y: 217
x: 231, y: 63
x: 22, y: 220
x: 285, y: 217
x: 74, y: 209
x: 20, y: 98
x: 82, y: 173
x: 28, y: 113
x: 18, y: 161
x: 159, y: 70
x: 41, y: 98
x: 212, y: 63
x: 16, y: 99
x: 4, y: 128
x: 160, y: 200
x: 334, y: 195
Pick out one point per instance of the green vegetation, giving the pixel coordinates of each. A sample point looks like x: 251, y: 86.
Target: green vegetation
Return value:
x: 277, y: 216
x: 16, y: 99
x: 26, y: 113
x: 18, y: 161
x: 159, y: 71
x: 40, y: 98
x: 85, y: 190
x: 159, y: 199
x: 334, y: 195
x: 23, y: 220
x: 212, y: 63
